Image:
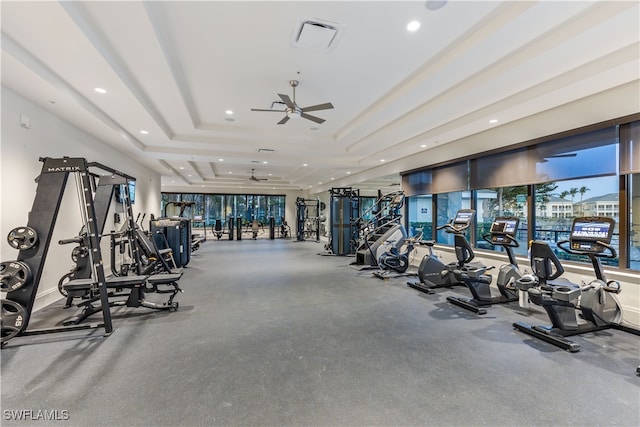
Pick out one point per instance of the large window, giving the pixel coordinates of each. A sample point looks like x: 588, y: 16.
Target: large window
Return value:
x: 545, y: 184
x: 214, y: 209
x: 211, y: 207
x: 502, y: 201
x: 420, y: 213
x: 558, y: 203
x: 448, y: 204
x: 634, y: 222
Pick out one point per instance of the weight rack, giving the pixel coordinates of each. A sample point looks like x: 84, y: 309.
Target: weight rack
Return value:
x: 33, y: 243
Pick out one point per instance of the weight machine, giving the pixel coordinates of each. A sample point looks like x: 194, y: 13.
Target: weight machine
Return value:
x: 21, y: 278
x: 308, y: 212
x: 345, y: 207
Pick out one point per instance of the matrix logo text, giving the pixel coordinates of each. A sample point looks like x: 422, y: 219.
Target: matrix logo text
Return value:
x: 35, y: 415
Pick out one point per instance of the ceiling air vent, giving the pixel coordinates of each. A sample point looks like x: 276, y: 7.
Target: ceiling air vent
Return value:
x: 315, y: 34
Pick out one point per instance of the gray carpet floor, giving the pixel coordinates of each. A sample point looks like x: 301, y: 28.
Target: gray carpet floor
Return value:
x: 268, y: 333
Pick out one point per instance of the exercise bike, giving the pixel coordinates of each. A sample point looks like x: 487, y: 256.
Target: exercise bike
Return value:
x: 502, y: 233
x: 217, y: 229
x: 394, y: 260
x: 432, y: 272
x: 595, y: 302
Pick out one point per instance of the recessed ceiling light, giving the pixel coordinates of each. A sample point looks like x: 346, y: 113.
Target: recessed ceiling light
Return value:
x: 144, y: 132
x: 221, y: 160
x: 423, y: 146
x: 228, y: 112
x: 493, y: 121
x: 413, y: 26
x: 270, y: 174
x: 181, y: 167
x: 382, y: 160
x: 348, y: 172
x: 100, y: 90
x: 435, y: 4
x: 173, y: 182
x: 265, y: 162
x: 311, y: 186
x: 189, y: 175
x: 320, y: 182
x: 304, y: 164
x: 332, y: 179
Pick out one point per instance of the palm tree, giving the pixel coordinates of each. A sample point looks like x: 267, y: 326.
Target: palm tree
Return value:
x: 582, y: 190
x: 573, y: 191
x: 563, y: 196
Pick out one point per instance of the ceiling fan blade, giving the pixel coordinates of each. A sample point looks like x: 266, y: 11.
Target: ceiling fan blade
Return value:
x: 312, y: 118
x: 284, y: 120
x: 258, y: 109
x: 326, y: 106
x: 287, y: 101
x: 555, y: 156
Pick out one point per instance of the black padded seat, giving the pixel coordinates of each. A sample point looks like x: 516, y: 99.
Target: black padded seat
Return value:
x: 125, y: 281
x: 163, y: 278
x: 79, y: 284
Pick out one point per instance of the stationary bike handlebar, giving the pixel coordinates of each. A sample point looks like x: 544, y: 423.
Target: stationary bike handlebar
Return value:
x: 609, y: 253
x: 511, y: 241
x: 414, y: 239
x: 450, y: 228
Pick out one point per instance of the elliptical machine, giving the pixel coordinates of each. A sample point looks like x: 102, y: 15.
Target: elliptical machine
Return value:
x: 561, y: 299
x: 394, y: 260
x: 502, y: 233
x: 432, y: 272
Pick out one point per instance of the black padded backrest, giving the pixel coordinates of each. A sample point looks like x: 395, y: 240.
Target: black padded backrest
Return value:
x: 544, y: 262
x: 218, y: 225
x: 145, y: 243
x: 464, y: 252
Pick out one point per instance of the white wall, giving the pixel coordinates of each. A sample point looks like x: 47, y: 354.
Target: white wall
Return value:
x: 50, y: 136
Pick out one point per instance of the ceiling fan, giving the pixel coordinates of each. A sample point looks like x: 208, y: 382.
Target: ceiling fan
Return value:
x: 292, y: 110
x: 255, y: 178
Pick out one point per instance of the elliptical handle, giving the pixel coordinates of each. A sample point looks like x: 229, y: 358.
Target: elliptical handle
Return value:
x: 563, y: 244
x: 511, y: 241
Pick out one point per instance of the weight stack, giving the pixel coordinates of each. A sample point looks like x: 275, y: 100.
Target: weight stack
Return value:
x: 177, y: 231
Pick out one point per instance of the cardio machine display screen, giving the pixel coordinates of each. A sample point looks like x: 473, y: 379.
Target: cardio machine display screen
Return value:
x: 592, y: 231
x: 464, y: 217
x: 504, y: 226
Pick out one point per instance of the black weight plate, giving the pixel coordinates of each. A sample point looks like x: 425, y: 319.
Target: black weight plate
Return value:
x: 22, y: 238
x: 79, y: 252
x: 13, y: 318
x: 15, y: 274
x: 63, y: 281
